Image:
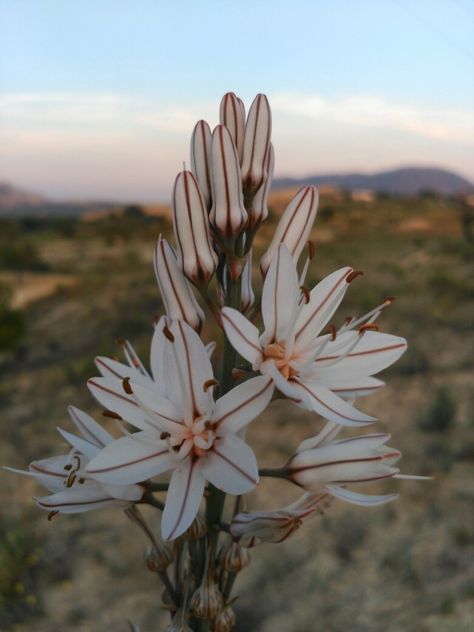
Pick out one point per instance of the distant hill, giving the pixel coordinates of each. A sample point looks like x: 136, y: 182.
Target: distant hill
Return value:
x: 407, y: 181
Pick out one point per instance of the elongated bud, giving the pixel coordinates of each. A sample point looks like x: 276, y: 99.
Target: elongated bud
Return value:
x: 258, y: 131
x: 259, y: 526
x: 228, y: 215
x: 198, y: 527
x: 159, y: 558
x: 294, y: 226
x: 196, y: 256
x: 225, y: 620
x: 232, y: 115
x: 207, y: 600
x: 201, y: 159
x: 247, y: 296
x: 176, y: 292
x: 258, y: 212
x: 235, y: 558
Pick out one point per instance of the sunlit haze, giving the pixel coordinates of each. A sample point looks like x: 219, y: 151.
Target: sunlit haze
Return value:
x: 99, y: 98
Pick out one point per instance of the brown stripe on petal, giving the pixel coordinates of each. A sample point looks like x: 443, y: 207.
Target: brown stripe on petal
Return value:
x: 247, y: 340
x: 361, y: 353
x: 185, y: 500
x: 142, y: 459
x: 111, y: 392
x: 243, y: 404
x: 41, y: 470
x: 73, y: 504
x: 304, y: 387
x: 368, y: 459
x: 234, y: 465
x: 84, y: 428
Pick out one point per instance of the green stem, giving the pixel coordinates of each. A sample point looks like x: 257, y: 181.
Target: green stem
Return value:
x: 273, y: 472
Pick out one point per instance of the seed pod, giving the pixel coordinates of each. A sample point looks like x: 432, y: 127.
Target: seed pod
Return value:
x: 258, y: 131
x: 159, y: 558
x: 225, y: 620
x: 201, y: 159
x: 207, y: 600
x: 196, y: 256
x: 232, y: 115
x: 235, y: 558
x: 294, y: 226
x: 228, y: 215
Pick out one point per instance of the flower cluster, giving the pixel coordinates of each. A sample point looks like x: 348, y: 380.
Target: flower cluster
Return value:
x: 181, y: 421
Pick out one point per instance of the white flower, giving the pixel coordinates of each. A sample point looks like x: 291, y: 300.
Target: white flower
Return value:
x: 184, y: 429
x: 201, y: 159
x: 254, y: 527
x: 322, y: 464
x: 73, y: 489
x: 258, y: 130
x: 315, y: 371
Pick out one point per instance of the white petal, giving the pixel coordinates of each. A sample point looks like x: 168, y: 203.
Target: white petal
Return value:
x: 131, y: 460
x: 83, y: 446
x: 232, y: 115
x: 201, y: 159
x: 162, y: 413
x: 280, y: 297
x: 78, y: 499
x: 366, y: 500
x: 324, y: 299
x: 288, y: 388
x: 112, y: 368
x: 124, y: 492
x: 348, y: 388
x: 183, y: 499
x: 243, y: 335
x: 109, y: 393
x: 157, y: 349
x: 231, y: 466
x: 328, y: 433
x: 330, y: 406
x: 89, y: 428
x: 49, y: 472
x: 210, y: 348
x: 242, y: 404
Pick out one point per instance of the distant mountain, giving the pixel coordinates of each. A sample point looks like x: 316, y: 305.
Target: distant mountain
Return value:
x: 407, y: 181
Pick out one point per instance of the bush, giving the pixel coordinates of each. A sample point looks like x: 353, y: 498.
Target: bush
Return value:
x: 441, y: 414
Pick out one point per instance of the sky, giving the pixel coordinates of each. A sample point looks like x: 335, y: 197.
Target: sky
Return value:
x: 98, y: 98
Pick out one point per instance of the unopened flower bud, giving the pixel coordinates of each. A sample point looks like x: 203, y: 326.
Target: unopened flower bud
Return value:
x: 235, y: 558
x: 258, y: 212
x: 294, y: 226
x: 196, y: 255
x: 258, y: 131
x: 176, y: 292
x: 197, y: 529
x: 201, y: 159
x: 232, y: 115
x: 228, y: 215
x: 207, y: 600
x: 225, y: 620
x: 159, y: 558
x: 247, y: 296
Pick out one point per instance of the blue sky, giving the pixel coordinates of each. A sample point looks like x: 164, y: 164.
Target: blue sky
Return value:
x: 98, y: 98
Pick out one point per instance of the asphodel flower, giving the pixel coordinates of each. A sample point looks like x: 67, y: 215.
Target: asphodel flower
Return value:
x: 196, y: 255
x: 176, y: 292
x: 73, y: 489
x: 232, y: 115
x: 315, y: 371
x: 187, y: 430
x: 323, y: 464
x: 258, y: 130
x: 258, y: 210
x: 294, y: 226
x: 201, y: 159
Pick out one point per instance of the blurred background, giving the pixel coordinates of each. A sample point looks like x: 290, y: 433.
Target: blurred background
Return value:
x: 373, y: 102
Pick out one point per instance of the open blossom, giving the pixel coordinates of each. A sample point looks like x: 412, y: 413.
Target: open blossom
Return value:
x: 184, y: 429
x: 315, y: 371
x: 323, y: 464
x: 73, y: 489
x: 254, y: 527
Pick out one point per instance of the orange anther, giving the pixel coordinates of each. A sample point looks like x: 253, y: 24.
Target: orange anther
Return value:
x: 332, y: 330
x: 353, y: 275
x: 168, y: 334
x: 126, y: 386
x: 111, y: 414
x: 305, y: 292
x: 368, y: 327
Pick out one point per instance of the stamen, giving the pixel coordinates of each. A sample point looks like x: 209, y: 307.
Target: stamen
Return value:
x: 51, y: 515
x: 306, y: 293
x: 353, y: 275
x: 332, y: 330
x: 68, y: 467
x: 311, y: 249
x: 81, y: 481
x: 70, y: 480
x: 126, y: 386
x: 209, y: 384
x: 368, y: 327
x: 389, y: 300
x: 238, y: 374
x: 165, y: 435
x: 111, y: 414
x: 168, y: 334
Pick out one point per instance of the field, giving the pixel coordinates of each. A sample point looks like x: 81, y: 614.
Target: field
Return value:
x: 74, y: 287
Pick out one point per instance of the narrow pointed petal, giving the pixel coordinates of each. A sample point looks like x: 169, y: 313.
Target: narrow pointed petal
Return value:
x: 201, y: 159
x: 49, y: 472
x: 231, y: 466
x: 89, y: 428
x: 196, y: 255
x: 183, y: 499
x: 294, y: 226
x: 131, y: 460
x: 348, y: 388
x: 228, y: 215
x: 247, y: 296
x: 110, y: 394
x: 279, y: 298
x: 82, y: 446
x: 176, y: 292
x: 125, y: 492
x: 161, y: 412
x: 242, y: 404
x: 78, y: 500
x: 258, y: 212
x: 258, y: 130
x: 243, y: 335
x: 327, y: 434
x: 210, y: 348
x: 324, y: 299
x: 111, y: 368
x: 157, y: 349
x: 365, y: 500
x: 232, y: 115
x: 320, y: 399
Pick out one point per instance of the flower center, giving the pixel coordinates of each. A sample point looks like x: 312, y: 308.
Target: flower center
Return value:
x: 200, y: 436
x: 276, y: 352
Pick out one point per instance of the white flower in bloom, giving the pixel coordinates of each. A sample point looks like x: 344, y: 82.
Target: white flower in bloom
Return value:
x: 322, y: 464
x: 254, y: 527
x: 73, y: 489
x: 315, y: 371
x: 184, y: 428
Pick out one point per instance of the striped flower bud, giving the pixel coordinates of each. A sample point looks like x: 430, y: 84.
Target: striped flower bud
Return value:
x: 258, y: 131
x: 201, y: 159
x: 235, y: 558
x: 232, y: 115
x: 196, y: 256
x: 196, y: 530
x: 225, y: 620
x: 258, y: 212
x: 247, y: 296
x: 207, y: 600
x: 176, y: 292
x: 159, y: 558
x: 294, y: 226
x: 228, y: 215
